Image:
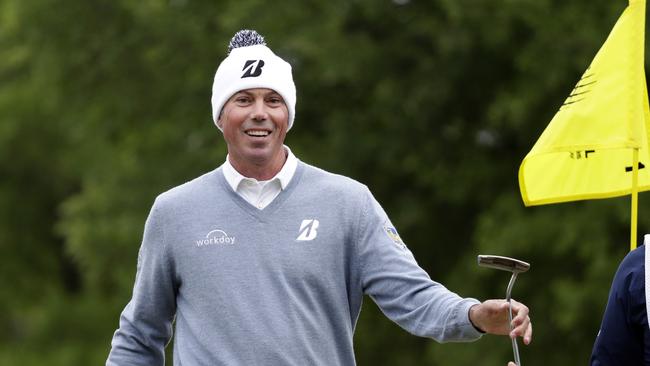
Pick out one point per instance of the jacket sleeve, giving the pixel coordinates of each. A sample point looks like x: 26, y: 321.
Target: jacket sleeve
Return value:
x: 403, y: 291
x: 624, y: 336
x: 145, y: 325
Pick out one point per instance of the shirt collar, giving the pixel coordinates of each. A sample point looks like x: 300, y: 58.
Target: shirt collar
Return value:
x: 234, y: 178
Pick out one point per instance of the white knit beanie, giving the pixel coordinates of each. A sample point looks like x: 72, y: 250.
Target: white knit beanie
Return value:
x: 250, y: 64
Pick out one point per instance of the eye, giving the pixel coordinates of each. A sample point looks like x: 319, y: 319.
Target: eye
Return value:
x: 242, y: 99
x: 275, y: 100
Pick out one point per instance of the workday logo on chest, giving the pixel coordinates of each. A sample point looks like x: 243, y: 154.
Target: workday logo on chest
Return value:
x: 216, y: 237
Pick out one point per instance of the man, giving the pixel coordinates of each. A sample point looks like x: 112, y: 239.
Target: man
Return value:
x: 265, y: 260
x: 624, y: 336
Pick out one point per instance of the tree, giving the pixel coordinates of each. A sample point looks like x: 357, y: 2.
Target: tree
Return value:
x: 105, y: 104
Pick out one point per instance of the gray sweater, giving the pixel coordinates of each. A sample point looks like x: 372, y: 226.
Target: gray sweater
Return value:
x: 278, y: 286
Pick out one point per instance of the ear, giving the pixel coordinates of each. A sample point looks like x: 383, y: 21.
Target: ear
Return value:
x: 220, y: 120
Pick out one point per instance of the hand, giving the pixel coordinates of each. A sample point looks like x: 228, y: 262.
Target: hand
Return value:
x: 512, y: 364
x: 491, y: 316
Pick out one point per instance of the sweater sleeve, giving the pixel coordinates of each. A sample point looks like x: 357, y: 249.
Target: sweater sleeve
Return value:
x: 145, y: 325
x: 403, y: 291
x: 624, y: 336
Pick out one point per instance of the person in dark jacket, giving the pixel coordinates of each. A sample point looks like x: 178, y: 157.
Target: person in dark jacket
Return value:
x: 624, y: 336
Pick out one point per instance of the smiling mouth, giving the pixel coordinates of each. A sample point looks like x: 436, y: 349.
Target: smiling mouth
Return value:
x: 258, y: 133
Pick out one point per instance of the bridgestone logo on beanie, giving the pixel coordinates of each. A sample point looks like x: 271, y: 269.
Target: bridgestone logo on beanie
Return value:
x: 251, y: 64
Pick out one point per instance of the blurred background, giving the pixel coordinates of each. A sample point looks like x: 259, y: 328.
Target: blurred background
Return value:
x: 433, y: 104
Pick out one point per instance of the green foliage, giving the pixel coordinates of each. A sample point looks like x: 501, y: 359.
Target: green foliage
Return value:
x: 105, y: 104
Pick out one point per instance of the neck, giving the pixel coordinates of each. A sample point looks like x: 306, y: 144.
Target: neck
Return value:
x: 262, y: 170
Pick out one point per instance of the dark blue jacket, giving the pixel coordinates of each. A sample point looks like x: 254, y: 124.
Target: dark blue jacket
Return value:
x: 624, y: 337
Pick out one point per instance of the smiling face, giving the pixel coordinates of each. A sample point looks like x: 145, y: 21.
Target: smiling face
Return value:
x: 254, y: 124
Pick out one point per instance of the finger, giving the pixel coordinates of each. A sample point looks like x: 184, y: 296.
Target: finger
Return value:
x: 512, y: 364
x: 520, y: 327
x: 520, y: 320
x: 528, y: 336
x: 521, y: 316
x: 525, y: 331
x: 519, y: 308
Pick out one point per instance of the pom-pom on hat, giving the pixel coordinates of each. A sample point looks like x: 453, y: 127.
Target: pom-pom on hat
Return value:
x: 251, y: 64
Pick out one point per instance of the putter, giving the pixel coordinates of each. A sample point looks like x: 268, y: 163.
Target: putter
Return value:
x: 515, y: 267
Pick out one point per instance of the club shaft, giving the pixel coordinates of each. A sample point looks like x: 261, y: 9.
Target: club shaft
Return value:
x: 515, y: 348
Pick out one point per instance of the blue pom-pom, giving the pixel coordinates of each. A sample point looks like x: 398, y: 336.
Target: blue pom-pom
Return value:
x: 245, y: 38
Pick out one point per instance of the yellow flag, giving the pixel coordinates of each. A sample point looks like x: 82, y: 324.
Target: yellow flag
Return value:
x: 588, y: 147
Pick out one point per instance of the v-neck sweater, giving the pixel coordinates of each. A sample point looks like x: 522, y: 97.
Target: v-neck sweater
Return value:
x: 278, y: 286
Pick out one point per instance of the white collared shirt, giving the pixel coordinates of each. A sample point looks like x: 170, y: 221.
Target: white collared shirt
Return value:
x: 261, y: 193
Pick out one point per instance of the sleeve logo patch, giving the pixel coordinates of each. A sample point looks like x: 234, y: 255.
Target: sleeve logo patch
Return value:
x: 394, y: 236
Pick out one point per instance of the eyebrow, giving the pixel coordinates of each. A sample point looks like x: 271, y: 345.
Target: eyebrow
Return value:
x: 271, y: 93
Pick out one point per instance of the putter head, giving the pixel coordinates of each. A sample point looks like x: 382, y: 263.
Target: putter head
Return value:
x: 503, y: 263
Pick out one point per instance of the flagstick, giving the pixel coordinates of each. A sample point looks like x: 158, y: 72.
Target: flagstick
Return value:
x: 635, y: 194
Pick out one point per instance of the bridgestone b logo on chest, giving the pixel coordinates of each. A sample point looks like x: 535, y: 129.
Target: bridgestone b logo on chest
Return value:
x: 308, y: 230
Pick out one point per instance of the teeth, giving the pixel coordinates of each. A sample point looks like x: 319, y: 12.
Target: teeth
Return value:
x: 257, y: 133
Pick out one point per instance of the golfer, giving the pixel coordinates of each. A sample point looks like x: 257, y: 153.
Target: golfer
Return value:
x: 265, y: 260
x: 624, y: 336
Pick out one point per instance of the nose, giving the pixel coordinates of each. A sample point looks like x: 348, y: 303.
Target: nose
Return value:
x: 259, y: 113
